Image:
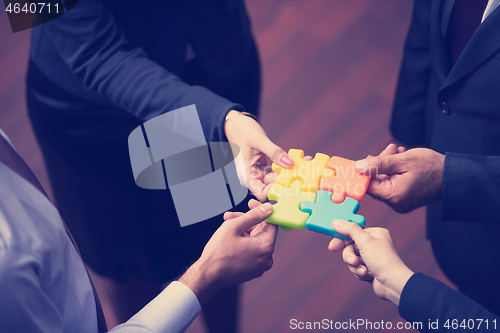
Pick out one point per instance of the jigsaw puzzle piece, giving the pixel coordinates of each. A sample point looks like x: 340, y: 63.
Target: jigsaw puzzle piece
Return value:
x: 324, y: 211
x: 308, y: 172
x: 347, y: 181
x: 286, y: 212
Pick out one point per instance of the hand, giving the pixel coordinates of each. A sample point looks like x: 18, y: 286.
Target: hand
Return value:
x: 372, y: 256
x: 405, y: 180
x: 240, y: 250
x: 255, y: 146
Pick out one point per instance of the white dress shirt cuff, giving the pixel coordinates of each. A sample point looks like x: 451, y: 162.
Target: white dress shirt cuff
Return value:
x: 172, y: 311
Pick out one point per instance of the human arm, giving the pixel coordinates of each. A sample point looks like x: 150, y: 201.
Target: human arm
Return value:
x: 408, y: 117
x: 240, y: 250
x: 425, y: 299
x: 255, y: 146
x: 404, y: 179
x: 372, y: 256
x: 24, y: 303
x: 96, y: 51
x: 408, y: 179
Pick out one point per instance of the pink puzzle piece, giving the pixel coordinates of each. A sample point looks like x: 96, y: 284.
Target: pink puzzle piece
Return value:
x: 347, y: 181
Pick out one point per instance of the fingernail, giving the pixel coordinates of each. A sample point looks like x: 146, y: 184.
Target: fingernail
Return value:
x: 337, y: 223
x: 361, y: 165
x: 266, y: 208
x: 286, y: 160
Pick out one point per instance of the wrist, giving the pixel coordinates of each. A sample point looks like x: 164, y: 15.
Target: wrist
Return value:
x: 231, y: 114
x: 234, y: 113
x: 235, y: 121
x: 201, y: 281
x: 440, y: 172
x: 396, y: 283
x: 227, y: 127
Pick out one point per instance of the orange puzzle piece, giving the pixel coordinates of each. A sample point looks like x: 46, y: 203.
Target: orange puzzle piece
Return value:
x: 308, y: 172
x: 347, y: 181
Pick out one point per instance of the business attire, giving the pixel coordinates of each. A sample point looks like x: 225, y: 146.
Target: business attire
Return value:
x: 44, y: 285
x: 101, y: 70
x: 448, y: 100
x: 426, y: 300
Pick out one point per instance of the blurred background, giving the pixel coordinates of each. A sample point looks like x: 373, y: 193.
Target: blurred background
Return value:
x: 329, y: 75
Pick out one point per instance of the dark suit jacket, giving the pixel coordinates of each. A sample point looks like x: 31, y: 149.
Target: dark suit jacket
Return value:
x: 130, y: 54
x: 424, y: 299
x: 101, y: 70
x: 456, y: 111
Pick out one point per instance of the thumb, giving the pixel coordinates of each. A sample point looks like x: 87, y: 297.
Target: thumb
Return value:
x: 352, y: 230
x: 386, y: 164
x: 274, y: 152
x: 252, y: 217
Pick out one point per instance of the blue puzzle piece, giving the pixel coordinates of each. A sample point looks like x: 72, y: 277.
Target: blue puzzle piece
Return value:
x: 324, y: 211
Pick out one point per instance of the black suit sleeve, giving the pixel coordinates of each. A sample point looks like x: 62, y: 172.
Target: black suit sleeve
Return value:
x: 471, y: 185
x: 408, y: 115
x: 424, y: 299
x: 96, y: 51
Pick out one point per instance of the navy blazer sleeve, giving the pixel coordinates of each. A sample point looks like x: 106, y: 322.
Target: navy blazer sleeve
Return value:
x: 96, y: 51
x: 471, y: 186
x: 424, y: 299
x: 408, y: 115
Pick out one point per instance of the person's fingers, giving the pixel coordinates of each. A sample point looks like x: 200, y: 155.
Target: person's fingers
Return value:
x: 401, y: 149
x: 349, y: 256
x: 380, y: 189
x: 352, y: 230
x: 257, y: 187
x: 388, y: 164
x: 256, y: 228
x: 274, y: 152
x: 381, y: 176
x: 308, y: 158
x: 268, y: 233
x: 253, y: 231
x: 253, y: 203
x: 337, y: 244
x: 259, y: 227
x: 270, y: 178
x: 252, y: 218
x: 361, y: 271
x: 391, y: 149
x: 254, y: 174
x: 231, y: 215
x: 266, y: 191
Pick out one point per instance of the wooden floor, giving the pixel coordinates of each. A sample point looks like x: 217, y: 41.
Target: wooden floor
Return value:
x: 329, y: 69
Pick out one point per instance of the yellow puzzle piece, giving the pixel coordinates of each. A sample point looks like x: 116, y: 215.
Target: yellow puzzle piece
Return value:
x: 308, y: 172
x: 286, y: 212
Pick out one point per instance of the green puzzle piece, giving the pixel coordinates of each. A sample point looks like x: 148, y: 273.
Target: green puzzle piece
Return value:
x: 324, y: 211
x: 286, y: 212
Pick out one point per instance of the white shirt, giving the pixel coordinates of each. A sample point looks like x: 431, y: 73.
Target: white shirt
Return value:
x: 448, y: 6
x: 44, y: 286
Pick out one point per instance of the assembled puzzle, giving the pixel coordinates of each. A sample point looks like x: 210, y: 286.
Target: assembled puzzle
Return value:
x: 311, y: 194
